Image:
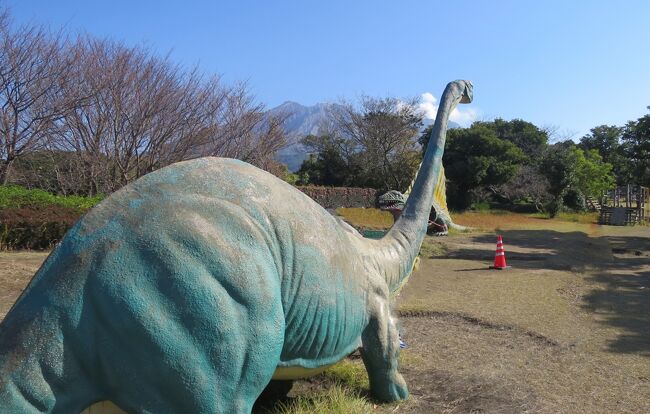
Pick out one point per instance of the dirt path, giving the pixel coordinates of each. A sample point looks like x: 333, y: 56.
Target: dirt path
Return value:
x: 566, y: 329
x: 16, y: 270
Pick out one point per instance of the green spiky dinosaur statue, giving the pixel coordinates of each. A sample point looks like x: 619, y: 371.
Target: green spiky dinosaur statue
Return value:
x: 189, y: 289
x: 439, y: 219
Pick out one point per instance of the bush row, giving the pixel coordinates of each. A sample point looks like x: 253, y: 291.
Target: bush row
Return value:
x: 335, y: 197
x: 17, y: 197
x: 35, y: 219
x: 30, y: 228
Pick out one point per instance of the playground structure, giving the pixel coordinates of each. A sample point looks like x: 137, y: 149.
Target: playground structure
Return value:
x: 623, y: 205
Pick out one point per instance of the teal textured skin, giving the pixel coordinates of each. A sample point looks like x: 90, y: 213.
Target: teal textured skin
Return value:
x: 185, y: 290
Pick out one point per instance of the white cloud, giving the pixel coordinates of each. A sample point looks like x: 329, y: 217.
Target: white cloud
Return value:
x: 428, y: 106
x: 464, y: 117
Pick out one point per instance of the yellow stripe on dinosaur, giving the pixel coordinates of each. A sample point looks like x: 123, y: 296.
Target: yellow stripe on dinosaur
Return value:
x: 439, y: 196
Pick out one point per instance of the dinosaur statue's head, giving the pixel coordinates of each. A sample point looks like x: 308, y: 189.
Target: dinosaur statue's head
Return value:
x: 392, y: 200
x: 465, y: 90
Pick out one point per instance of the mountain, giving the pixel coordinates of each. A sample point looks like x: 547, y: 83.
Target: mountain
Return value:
x: 301, y: 121
x: 450, y: 124
x: 307, y: 120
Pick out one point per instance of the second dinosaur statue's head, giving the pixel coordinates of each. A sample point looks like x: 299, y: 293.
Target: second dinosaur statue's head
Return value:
x: 392, y: 200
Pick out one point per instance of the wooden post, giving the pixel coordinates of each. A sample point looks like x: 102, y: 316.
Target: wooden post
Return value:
x: 628, y: 201
x: 638, y: 202
x: 643, y: 197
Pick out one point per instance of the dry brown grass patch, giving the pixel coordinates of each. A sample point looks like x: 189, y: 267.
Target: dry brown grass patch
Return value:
x: 16, y: 270
x: 367, y: 218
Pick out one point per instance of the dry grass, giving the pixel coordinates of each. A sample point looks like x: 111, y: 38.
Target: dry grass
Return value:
x: 504, y: 297
x: 565, y: 330
x: 16, y: 270
x: 367, y: 218
x: 372, y: 218
x: 493, y: 220
x: 584, y: 218
x: 433, y: 248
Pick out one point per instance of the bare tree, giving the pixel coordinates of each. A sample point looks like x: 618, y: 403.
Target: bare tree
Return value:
x: 556, y: 134
x: 33, y: 75
x: 383, y: 132
x: 105, y: 114
x: 241, y: 130
x: 142, y: 113
x: 528, y: 184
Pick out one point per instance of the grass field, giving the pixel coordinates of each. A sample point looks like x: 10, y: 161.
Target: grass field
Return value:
x: 565, y: 330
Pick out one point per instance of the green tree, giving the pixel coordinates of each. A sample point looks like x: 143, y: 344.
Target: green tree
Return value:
x: 382, y: 134
x: 593, y: 175
x: 527, y: 184
x: 636, y: 147
x: 606, y: 139
x: 569, y: 168
x: 329, y: 164
x: 369, y: 145
x: 559, y: 166
x: 475, y: 157
x: 529, y: 138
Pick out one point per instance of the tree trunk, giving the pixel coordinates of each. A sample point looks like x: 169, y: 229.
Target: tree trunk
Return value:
x: 4, y: 171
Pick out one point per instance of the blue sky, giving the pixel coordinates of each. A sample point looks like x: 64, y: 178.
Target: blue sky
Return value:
x: 572, y: 64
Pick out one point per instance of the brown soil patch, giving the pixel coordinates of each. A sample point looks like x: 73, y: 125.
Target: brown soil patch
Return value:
x: 566, y: 329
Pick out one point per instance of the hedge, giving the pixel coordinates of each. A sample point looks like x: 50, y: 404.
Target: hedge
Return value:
x: 29, y: 228
x: 14, y: 196
x: 36, y: 219
x: 335, y: 197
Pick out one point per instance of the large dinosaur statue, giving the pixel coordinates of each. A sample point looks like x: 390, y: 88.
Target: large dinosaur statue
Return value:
x: 188, y: 290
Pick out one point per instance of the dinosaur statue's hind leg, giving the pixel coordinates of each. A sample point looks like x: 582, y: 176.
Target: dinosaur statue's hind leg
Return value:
x: 197, y: 334
x: 380, y: 351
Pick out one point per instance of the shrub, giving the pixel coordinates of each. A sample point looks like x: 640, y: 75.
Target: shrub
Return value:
x: 575, y: 200
x: 28, y: 228
x: 335, y: 197
x: 14, y: 196
x: 36, y: 219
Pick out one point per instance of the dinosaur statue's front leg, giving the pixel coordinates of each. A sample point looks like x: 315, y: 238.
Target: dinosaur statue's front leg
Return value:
x: 380, y: 351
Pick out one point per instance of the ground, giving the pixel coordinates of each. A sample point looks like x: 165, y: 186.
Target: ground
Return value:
x: 565, y: 330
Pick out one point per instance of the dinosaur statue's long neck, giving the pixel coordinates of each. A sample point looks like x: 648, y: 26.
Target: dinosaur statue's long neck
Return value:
x: 402, y: 243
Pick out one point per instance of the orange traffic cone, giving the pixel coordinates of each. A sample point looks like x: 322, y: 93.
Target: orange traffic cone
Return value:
x: 500, y: 256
